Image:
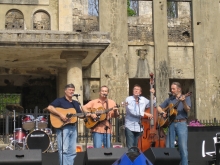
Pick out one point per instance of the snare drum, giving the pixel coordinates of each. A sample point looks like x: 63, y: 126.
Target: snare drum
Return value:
x: 28, y: 122
x: 38, y: 140
x: 19, y: 135
x: 42, y: 122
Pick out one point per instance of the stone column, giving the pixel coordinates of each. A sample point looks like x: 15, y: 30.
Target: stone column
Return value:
x: 74, y: 69
x: 206, y: 37
x: 161, y: 49
x: 74, y: 75
x: 113, y: 61
x: 65, y: 15
x: 61, y: 81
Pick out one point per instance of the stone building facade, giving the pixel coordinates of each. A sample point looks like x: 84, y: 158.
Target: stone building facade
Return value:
x: 52, y: 42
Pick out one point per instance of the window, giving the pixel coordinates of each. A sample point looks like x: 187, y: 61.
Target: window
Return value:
x: 14, y: 19
x: 41, y: 21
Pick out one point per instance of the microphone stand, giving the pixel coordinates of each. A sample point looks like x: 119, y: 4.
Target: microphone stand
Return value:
x: 106, y: 135
x: 86, y: 118
x: 107, y: 127
x: 168, y: 115
x: 62, y: 141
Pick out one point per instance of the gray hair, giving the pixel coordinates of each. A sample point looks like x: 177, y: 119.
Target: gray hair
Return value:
x: 177, y: 84
x: 69, y: 86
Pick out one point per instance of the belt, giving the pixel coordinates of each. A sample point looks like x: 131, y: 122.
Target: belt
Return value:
x: 72, y: 124
x: 179, y: 120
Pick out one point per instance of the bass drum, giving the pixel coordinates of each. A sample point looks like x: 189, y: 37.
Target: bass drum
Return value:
x: 38, y: 140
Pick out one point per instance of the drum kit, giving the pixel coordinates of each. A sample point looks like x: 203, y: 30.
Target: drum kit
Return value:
x: 34, y: 133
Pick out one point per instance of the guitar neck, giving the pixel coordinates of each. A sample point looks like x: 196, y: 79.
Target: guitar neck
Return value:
x: 103, y: 111
x: 188, y: 94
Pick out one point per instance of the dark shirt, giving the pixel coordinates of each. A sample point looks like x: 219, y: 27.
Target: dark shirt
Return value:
x: 65, y: 104
x: 181, y: 112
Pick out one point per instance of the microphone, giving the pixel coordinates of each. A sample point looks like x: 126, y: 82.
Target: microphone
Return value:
x: 105, y: 95
x: 76, y: 95
x: 170, y: 94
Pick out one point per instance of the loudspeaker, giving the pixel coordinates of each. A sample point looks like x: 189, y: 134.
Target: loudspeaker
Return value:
x: 53, y: 158
x: 24, y: 157
x: 164, y: 156
x: 104, y: 156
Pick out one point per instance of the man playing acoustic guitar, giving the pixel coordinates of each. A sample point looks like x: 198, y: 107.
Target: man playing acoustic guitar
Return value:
x: 59, y: 108
x: 178, y: 124
x: 102, y: 110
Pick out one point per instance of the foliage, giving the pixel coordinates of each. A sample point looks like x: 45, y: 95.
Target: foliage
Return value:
x: 8, y: 99
x: 130, y: 12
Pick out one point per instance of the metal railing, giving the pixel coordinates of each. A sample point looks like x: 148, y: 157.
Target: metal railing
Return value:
x: 84, y: 134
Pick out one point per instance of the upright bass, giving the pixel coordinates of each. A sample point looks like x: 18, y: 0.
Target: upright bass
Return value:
x: 152, y: 135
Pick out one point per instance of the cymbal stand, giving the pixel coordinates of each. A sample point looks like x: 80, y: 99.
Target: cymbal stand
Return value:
x: 14, y: 129
x: 24, y: 143
x: 36, y: 124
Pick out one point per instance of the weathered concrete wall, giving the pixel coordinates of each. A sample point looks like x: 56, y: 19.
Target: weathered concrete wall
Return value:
x: 81, y: 5
x: 82, y: 23
x: 113, y: 61
x: 91, y: 89
x: 184, y: 10
x: 28, y: 11
x: 206, y: 36
x: 181, y: 62
x: 179, y: 29
x: 140, y: 29
x: 145, y: 8
x: 141, y: 61
x: 65, y: 15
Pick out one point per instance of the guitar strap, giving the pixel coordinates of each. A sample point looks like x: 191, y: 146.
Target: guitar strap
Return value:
x: 73, y: 105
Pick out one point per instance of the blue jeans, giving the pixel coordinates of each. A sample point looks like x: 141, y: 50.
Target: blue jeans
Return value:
x: 99, y: 139
x: 180, y: 130
x: 69, y: 144
x: 131, y: 138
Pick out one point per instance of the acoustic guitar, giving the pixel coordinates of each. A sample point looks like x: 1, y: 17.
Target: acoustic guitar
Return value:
x: 101, y: 115
x: 70, y: 113
x: 172, y: 109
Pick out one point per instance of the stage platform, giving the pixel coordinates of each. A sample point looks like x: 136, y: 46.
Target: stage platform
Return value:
x: 196, y: 135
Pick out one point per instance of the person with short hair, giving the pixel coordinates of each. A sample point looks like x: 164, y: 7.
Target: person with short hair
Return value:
x: 69, y: 130
x: 135, y: 110
x: 179, y: 126
x: 101, y: 132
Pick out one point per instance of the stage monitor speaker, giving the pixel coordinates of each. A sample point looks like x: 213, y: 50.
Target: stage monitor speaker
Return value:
x: 164, y: 156
x: 104, y: 156
x: 24, y: 157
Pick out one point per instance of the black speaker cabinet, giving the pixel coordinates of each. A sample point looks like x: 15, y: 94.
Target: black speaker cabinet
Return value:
x: 104, y: 156
x: 163, y: 156
x: 24, y: 157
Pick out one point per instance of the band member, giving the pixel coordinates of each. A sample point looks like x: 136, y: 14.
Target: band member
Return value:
x: 69, y: 130
x: 101, y: 132
x: 135, y: 109
x: 179, y: 126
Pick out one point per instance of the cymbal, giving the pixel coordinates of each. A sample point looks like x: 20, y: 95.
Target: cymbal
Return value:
x: 15, y: 107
